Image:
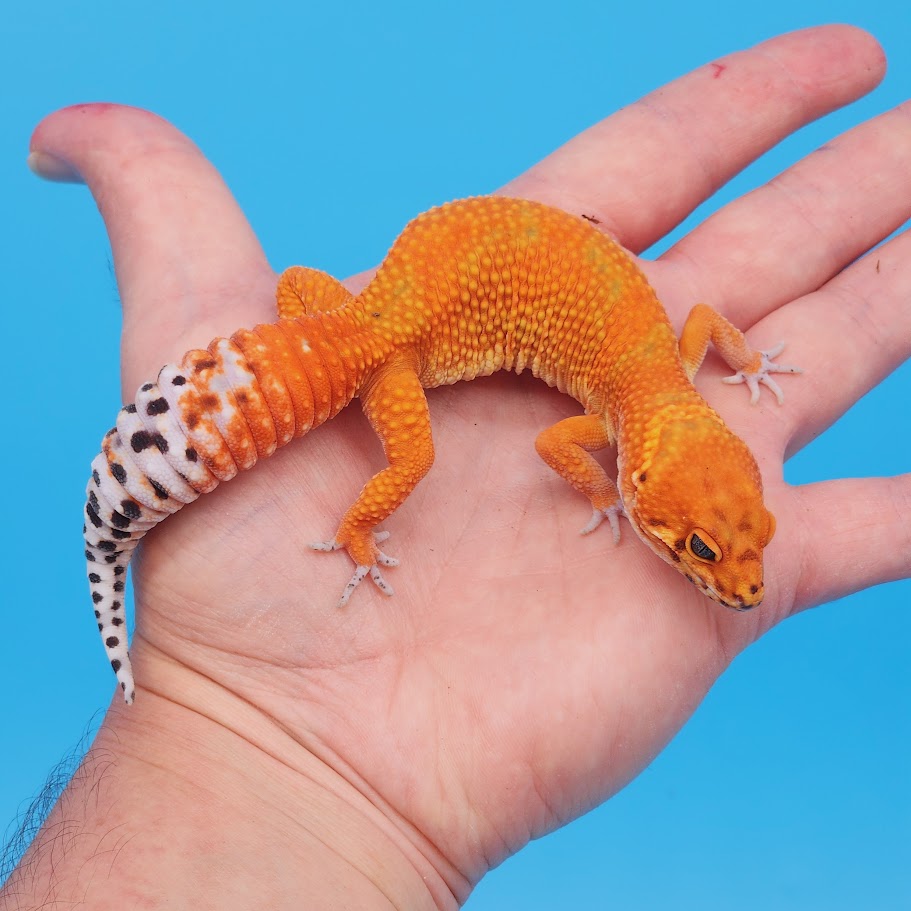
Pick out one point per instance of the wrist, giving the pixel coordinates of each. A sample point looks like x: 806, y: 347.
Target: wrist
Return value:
x: 207, y: 801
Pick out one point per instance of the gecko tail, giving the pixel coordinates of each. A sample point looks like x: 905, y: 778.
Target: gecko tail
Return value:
x: 142, y: 475
x: 216, y: 413
x: 107, y: 570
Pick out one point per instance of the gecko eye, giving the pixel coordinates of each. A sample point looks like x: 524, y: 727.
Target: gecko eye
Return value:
x: 702, y: 547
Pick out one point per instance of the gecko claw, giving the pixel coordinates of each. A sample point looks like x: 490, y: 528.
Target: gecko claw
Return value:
x: 753, y: 378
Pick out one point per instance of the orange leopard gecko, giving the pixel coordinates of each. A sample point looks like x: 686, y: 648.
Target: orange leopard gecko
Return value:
x: 469, y: 288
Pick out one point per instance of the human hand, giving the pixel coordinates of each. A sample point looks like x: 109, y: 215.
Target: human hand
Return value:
x: 521, y: 674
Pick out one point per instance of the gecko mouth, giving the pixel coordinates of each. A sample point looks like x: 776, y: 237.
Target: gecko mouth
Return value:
x: 735, y: 602
x: 740, y: 605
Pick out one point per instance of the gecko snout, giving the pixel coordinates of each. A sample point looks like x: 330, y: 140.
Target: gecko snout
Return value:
x: 750, y: 598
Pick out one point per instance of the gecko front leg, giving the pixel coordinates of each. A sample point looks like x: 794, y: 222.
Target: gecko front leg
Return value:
x: 396, y: 407
x: 753, y: 367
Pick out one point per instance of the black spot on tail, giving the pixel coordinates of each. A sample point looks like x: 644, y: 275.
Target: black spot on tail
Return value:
x: 142, y: 440
x: 160, y: 491
x: 130, y: 509
x: 119, y: 521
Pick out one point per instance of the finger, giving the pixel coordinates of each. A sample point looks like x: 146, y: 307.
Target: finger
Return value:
x: 790, y: 236
x: 185, y: 256
x: 644, y: 169
x: 847, y: 337
x: 855, y: 533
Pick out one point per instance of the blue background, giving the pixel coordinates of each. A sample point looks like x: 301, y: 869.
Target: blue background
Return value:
x: 790, y: 788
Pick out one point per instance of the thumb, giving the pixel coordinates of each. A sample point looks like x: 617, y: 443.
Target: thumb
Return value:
x: 187, y: 262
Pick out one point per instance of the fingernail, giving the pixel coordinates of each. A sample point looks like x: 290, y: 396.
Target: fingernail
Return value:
x: 49, y: 167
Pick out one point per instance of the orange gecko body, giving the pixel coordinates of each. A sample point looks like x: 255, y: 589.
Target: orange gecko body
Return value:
x: 469, y: 288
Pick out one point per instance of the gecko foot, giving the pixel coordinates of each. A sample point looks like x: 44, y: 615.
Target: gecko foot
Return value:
x: 361, y: 569
x: 612, y: 514
x: 766, y: 366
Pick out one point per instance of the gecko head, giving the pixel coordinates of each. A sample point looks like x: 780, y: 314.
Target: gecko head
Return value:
x: 699, y: 506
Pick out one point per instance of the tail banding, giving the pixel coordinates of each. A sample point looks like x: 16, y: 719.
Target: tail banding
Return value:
x: 216, y: 413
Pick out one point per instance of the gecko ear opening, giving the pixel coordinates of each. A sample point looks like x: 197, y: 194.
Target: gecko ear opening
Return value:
x: 771, y: 532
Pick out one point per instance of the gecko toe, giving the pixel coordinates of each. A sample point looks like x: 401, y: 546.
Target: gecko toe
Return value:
x: 767, y: 366
x: 379, y: 581
x: 360, y: 573
x: 612, y: 514
x: 325, y: 546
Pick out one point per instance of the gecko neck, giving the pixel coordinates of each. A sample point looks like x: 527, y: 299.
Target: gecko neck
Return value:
x: 642, y: 405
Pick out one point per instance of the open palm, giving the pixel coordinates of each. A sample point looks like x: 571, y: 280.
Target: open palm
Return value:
x: 522, y: 673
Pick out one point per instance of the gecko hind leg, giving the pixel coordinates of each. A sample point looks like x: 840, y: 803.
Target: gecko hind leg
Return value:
x: 302, y: 291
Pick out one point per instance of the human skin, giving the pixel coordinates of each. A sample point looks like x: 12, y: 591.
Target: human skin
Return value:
x: 283, y: 753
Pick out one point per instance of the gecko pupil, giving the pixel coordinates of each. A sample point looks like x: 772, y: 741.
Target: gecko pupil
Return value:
x: 701, y: 549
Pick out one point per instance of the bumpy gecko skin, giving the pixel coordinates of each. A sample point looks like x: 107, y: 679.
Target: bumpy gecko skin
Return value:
x: 469, y: 288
